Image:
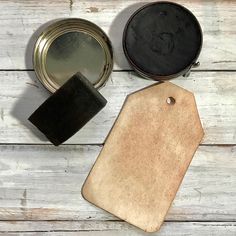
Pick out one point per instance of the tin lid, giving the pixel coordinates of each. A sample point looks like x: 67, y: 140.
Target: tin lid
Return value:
x: 69, y: 46
x: 162, y: 40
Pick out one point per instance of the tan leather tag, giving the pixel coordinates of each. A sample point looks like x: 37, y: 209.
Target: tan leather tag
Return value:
x: 146, y: 155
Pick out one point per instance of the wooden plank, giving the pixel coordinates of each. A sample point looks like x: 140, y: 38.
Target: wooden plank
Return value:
x: 21, y: 94
x: 20, y: 20
x: 19, y: 23
x: 44, y: 183
x: 113, y: 228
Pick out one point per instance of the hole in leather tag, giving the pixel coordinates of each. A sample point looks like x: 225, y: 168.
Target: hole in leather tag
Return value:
x: 170, y: 101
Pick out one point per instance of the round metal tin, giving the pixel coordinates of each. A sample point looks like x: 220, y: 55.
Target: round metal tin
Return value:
x: 50, y: 58
x: 162, y: 40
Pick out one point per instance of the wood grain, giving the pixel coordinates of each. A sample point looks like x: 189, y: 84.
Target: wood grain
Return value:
x: 98, y: 228
x: 21, y: 94
x: 41, y: 182
x: 44, y: 183
x: 20, y: 22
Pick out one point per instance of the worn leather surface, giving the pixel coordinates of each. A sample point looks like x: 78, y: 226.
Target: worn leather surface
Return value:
x: 146, y: 156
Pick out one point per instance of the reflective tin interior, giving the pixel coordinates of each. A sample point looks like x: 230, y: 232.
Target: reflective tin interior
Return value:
x: 70, y: 46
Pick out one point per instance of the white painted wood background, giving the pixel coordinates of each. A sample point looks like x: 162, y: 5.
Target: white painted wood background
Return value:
x: 40, y: 184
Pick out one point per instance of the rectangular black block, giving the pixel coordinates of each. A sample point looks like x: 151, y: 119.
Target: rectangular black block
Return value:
x: 68, y: 109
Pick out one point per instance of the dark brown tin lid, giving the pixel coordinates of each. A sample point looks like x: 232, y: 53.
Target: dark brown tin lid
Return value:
x: 162, y: 40
x: 71, y: 45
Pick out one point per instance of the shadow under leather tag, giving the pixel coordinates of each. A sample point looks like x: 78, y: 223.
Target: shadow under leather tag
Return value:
x: 146, y: 155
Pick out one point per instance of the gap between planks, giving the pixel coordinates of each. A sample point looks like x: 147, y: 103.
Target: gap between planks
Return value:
x: 126, y: 70
x: 92, y: 226
x: 97, y: 144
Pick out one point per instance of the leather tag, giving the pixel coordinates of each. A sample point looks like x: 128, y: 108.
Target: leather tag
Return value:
x: 146, y: 155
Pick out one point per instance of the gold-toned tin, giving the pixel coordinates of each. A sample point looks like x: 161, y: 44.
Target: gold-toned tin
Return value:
x: 69, y: 46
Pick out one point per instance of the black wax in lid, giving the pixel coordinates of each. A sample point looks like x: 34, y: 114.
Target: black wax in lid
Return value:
x: 162, y: 39
x: 68, y: 109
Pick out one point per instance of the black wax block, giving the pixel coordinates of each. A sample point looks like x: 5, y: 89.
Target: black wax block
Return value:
x: 68, y: 109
